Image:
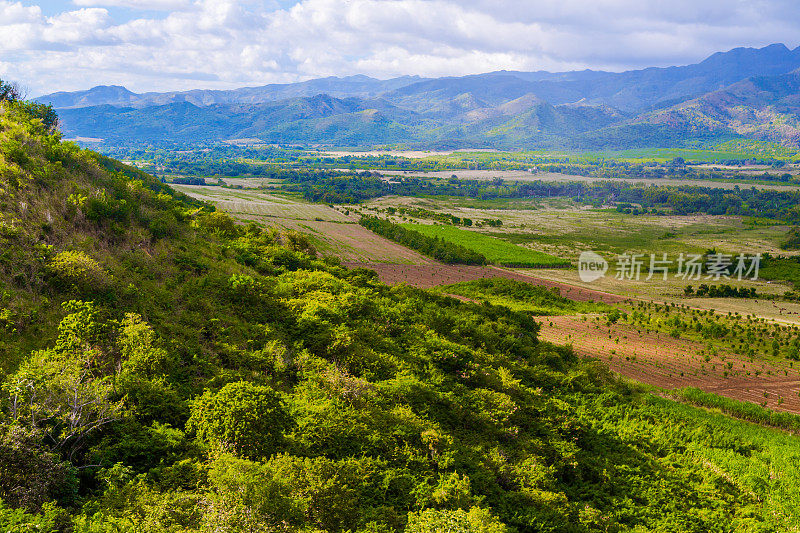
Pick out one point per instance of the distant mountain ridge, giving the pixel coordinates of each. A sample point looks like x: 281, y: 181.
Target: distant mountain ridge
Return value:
x: 745, y: 91
x: 114, y: 95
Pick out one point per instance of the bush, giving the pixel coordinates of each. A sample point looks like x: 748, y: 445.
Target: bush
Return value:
x: 139, y: 348
x: 241, y: 418
x: 51, y: 518
x: 74, y: 270
x: 217, y: 222
x: 476, y: 520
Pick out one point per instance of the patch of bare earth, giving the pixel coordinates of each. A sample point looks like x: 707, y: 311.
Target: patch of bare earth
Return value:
x: 664, y: 361
x: 435, y: 274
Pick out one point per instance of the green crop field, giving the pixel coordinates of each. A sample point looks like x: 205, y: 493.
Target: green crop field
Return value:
x: 495, y: 250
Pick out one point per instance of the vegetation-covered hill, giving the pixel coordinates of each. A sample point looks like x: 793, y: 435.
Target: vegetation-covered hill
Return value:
x: 570, y: 110
x: 765, y: 107
x: 164, y: 369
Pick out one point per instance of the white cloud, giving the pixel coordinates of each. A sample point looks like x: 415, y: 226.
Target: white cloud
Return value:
x: 229, y: 43
x: 15, y: 13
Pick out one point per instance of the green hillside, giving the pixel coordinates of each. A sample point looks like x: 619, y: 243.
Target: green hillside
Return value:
x: 165, y: 369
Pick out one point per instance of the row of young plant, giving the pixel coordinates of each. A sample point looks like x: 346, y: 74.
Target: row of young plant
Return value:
x: 745, y: 335
x: 743, y: 410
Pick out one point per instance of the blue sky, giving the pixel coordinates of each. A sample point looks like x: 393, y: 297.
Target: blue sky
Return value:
x: 158, y: 45
x: 120, y: 14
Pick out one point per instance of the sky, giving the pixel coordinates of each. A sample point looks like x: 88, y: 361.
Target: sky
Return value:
x: 163, y: 45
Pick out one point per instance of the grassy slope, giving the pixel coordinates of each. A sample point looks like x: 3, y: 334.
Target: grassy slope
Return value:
x: 399, y: 400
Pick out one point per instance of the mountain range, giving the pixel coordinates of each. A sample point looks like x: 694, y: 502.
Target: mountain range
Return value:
x: 744, y: 92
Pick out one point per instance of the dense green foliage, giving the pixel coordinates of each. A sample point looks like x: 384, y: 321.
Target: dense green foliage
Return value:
x: 761, y: 462
x: 720, y: 291
x: 435, y: 247
x: 165, y: 369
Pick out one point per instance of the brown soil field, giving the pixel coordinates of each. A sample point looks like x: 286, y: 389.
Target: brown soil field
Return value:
x: 664, y: 361
x: 434, y: 274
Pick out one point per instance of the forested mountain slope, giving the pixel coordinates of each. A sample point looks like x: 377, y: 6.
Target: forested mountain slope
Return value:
x: 164, y: 369
x: 765, y: 107
x: 498, y: 109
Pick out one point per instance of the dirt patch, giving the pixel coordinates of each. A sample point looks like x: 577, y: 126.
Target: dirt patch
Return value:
x: 435, y: 274
x: 664, y: 361
x: 354, y: 243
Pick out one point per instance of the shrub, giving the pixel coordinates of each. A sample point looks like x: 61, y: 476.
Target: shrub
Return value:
x: 476, y: 520
x: 139, y: 349
x: 245, y: 497
x: 217, y: 222
x: 74, y: 270
x: 299, y: 242
x: 241, y: 418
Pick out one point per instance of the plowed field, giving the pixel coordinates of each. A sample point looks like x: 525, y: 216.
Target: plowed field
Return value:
x: 664, y: 361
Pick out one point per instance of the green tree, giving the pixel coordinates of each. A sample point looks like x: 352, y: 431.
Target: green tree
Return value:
x: 32, y: 475
x: 9, y: 92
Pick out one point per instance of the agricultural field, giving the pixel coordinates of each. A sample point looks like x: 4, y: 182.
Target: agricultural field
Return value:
x: 670, y: 362
x: 672, y: 291
x: 496, y: 250
x: 333, y: 232
x: 261, y: 204
x: 562, y: 228
x: 436, y: 275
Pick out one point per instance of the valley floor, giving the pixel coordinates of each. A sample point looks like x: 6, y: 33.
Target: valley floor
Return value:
x: 645, y: 356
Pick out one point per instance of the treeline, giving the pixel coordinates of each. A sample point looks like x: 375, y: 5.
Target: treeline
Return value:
x: 434, y: 247
x: 190, y: 181
x: 334, y: 187
x: 677, y: 169
x: 720, y: 291
x: 354, y: 186
x: 328, y: 186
